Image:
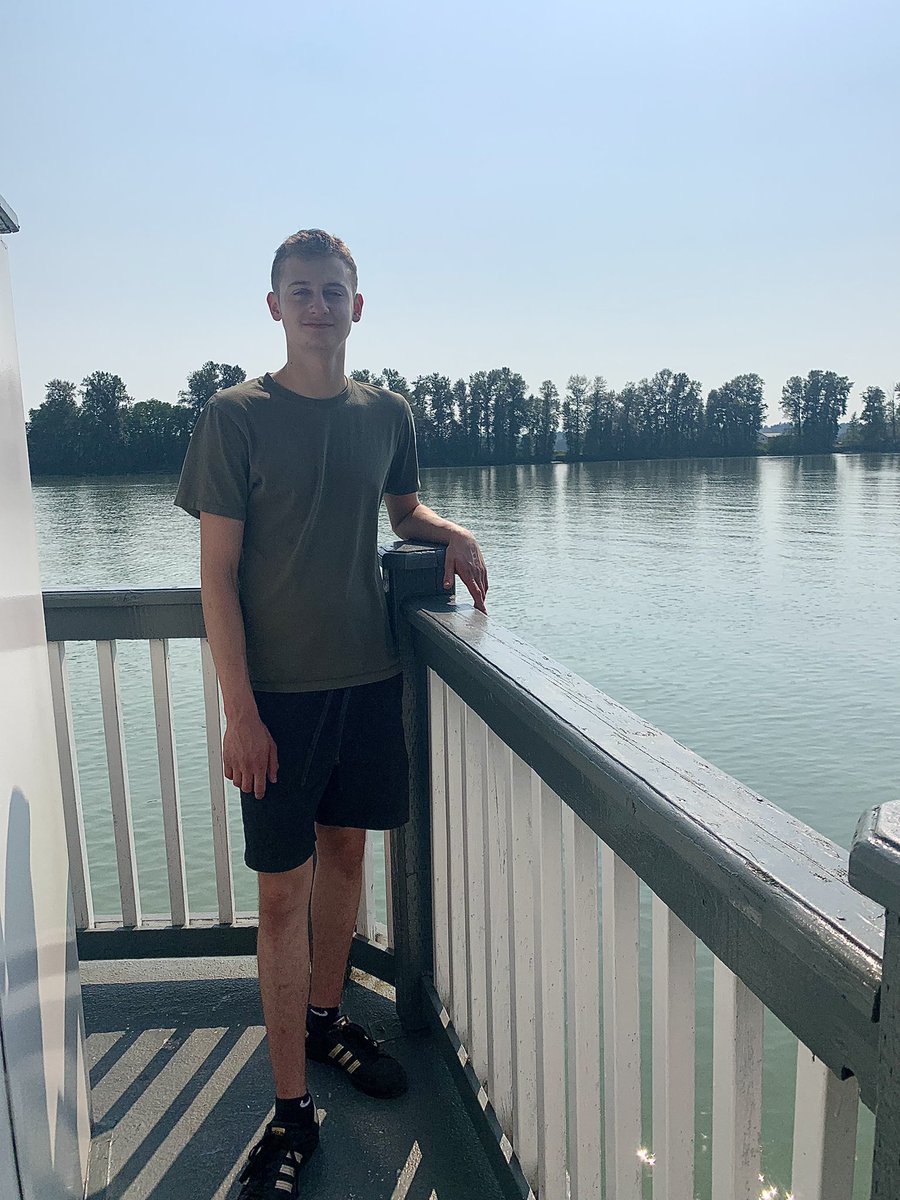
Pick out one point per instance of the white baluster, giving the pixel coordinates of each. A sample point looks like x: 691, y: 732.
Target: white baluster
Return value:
x: 123, y: 828
x: 499, y: 781
x: 458, y: 875
x: 79, y: 871
x: 825, y: 1122
x: 737, y: 1086
x: 388, y: 891
x: 477, y: 922
x: 674, y: 1019
x: 220, y: 832
x: 365, y: 916
x: 621, y: 1027
x: 168, y: 779
x: 524, y: 893
x: 550, y: 1001
x: 580, y: 858
x: 440, y: 861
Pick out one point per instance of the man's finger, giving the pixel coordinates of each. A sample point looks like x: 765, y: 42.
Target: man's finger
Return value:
x: 259, y: 785
x: 449, y: 572
x: 476, y: 593
x: 273, y: 764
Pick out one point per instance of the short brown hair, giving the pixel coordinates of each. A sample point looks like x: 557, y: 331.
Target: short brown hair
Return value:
x: 311, y: 243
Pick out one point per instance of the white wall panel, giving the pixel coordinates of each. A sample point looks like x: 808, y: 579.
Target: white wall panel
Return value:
x: 40, y: 996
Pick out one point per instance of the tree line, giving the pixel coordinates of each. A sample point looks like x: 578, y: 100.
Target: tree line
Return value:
x: 98, y: 429
x: 490, y: 418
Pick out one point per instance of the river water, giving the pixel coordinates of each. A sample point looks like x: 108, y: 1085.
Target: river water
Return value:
x: 749, y: 607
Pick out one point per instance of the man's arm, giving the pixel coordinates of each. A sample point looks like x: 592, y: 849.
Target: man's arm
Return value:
x: 412, y: 519
x: 248, y: 752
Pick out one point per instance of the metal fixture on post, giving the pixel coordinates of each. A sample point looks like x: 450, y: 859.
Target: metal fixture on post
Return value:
x: 413, y: 569
x: 875, y: 871
x: 9, y: 222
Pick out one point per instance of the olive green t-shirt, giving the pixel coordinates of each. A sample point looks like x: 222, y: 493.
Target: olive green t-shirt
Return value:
x: 307, y: 478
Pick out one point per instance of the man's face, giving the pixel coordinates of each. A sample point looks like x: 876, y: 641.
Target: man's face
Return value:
x: 315, y: 303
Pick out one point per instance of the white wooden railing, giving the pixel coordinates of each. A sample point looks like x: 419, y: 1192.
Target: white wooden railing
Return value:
x: 542, y: 812
x: 518, y: 921
x: 538, y: 942
x: 89, y: 612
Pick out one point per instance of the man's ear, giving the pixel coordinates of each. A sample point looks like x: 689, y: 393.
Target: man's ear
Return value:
x: 357, y: 306
x: 274, y: 308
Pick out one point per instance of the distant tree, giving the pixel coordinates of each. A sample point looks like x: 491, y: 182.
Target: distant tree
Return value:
x: 432, y: 404
x: 855, y: 435
x: 665, y: 415
x: 574, y: 415
x: 480, y: 415
x: 459, y: 448
x: 630, y: 402
x: 54, y: 446
x: 364, y: 376
x: 155, y: 436
x: 104, y: 399
x: 893, y: 416
x: 203, y: 383
x: 792, y: 406
x: 394, y: 382
x: 684, y: 408
x: 734, y: 416
x: 874, y: 421
x: 814, y: 407
x: 509, y: 414
x: 600, y: 433
x: 545, y: 422
x: 832, y: 394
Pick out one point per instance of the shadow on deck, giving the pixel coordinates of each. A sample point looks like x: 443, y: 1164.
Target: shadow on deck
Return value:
x: 181, y: 1086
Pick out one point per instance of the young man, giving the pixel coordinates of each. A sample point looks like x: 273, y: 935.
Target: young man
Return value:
x: 286, y: 474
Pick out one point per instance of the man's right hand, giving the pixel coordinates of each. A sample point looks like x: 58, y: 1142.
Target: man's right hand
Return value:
x: 249, y: 754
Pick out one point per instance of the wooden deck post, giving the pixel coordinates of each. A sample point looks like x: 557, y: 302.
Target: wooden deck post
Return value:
x: 412, y: 569
x: 875, y: 871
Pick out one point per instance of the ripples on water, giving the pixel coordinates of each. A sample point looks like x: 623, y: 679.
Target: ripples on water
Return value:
x: 749, y: 607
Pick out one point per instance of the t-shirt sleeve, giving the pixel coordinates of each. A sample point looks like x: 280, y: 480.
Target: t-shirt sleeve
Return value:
x: 403, y: 476
x: 215, y: 475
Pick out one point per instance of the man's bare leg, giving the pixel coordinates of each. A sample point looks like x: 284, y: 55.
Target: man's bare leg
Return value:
x: 283, y: 954
x: 335, y: 903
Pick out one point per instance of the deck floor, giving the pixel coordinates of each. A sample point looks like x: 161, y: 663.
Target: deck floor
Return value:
x: 181, y: 1088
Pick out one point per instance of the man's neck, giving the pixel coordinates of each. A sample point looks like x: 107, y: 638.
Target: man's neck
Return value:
x: 313, y: 377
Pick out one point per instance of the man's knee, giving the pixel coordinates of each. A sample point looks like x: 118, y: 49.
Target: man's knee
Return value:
x: 340, y: 850
x: 284, y: 895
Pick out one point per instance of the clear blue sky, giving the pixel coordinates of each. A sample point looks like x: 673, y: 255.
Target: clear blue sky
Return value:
x: 555, y: 187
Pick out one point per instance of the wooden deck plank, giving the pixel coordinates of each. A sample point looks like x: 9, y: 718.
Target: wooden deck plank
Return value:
x: 181, y: 1073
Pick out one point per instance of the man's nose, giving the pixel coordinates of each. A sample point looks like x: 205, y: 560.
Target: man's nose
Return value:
x: 318, y: 303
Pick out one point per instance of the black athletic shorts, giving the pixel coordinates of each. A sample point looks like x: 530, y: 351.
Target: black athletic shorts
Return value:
x: 341, y: 761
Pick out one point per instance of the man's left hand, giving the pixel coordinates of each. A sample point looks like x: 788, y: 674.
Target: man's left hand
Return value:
x: 464, y: 559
